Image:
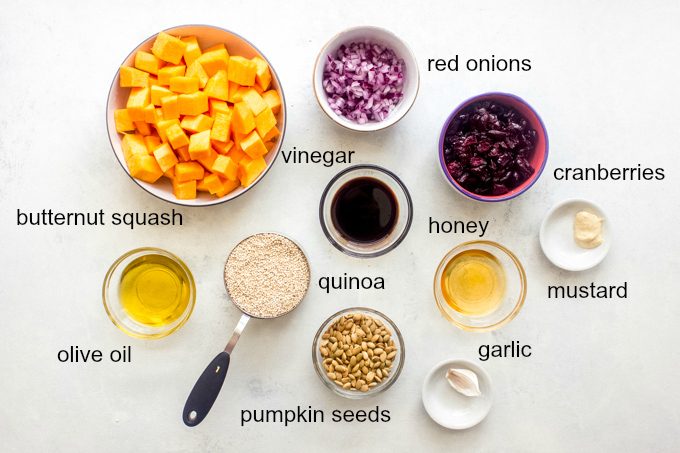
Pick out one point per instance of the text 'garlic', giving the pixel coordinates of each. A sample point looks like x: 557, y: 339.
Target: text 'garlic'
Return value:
x: 464, y: 381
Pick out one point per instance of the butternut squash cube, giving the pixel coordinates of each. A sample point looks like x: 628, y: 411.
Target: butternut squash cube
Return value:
x: 144, y: 167
x: 222, y: 147
x: 159, y: 115
x: 153, y: 81
x: 163, y: 126
x: 186, y: 171
x: 158, y: 93
x: 200, y: 185
x: 199, y: 145
x: 143, y: 128
x: 131, y: 77
x: 184, y: 84
x: 269, y: 145
x: 218, y: 86
x: 220, y: 128
x: 214, y: 60
x: 184, y: 190
x: 193, y: 104
x: 218, y: 106
x: 236, y: 154
x: 264, y: 122
x: 168, y: 72
x: 170, y: 173
x: 242, y: 71
x: 213, y: 183
x: 219, y: 46
x: 225, y: 167
x: 133, y: 144
x: 148, y: 62
x: 168, y: 48
x: 272, y: 98
x: 183, y: 153
x: 242, y: 120
x: 170, y: 107
x: 253, y: 145
x: 165, y: 157
x: 193, y: 50
x: 138, y: 100
x: 273, y: 132
x: 207, y: 162
x: 258, y: 88
x: 150, y: 115
x: 197, y: 123
x: 227, y: 186
x: 152, y: 142
x: 263, y: 77
x: 233, y: 92
x: 250, y: 169
x: 124, y: 124
x: 238, y: 138
x: 176, y: 136
x: 196, y: 71
x: 249, y: 95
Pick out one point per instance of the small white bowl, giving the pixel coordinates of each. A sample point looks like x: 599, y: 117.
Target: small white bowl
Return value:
x: 375, y: 35
x: 450, y: 408
x: 557, y: 236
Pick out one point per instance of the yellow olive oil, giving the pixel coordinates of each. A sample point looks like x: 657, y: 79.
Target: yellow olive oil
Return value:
x: 154, y: 290
x: 473, y: 283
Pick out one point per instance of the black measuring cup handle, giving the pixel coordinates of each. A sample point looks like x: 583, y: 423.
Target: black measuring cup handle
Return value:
x: 206, y: 389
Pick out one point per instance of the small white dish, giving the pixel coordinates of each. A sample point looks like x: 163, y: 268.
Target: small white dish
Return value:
x: 557, y: 236
x: 450, y: 408
x: 374, y: 35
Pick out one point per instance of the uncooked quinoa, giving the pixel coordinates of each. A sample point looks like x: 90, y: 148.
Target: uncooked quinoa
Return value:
x: 267, y: 275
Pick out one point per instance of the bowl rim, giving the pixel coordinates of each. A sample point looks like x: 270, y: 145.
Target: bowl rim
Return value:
x: 515, y: 310
x: 455, y: 184
x: 394, y: 375
x: 221, y: 200
x: 154, y: 251
x: 316, y: 91
x: 409, y: 205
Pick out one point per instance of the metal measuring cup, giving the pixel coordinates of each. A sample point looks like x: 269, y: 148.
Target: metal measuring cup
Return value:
x: 209, y: 384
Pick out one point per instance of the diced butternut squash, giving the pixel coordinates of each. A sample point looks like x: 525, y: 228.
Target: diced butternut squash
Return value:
x: 131, y: 77
x: 196, y: 71
x: 218, y: 86
x: 170, y: 107
x: 225, y: 166
x: 218, y: 106
x: 252, y: 97
x: 222, y: 147
x: 193, y: 104
x: 186, y: 171
x: 219, y: 46
x: 148, y: 62
x: 242, y: 120
x: 200, y: 185
x: 207, y: 162
x: 242, y: 71
x: 263, y: 77
x: 197, y: 123
x: 213, y: 183
x: 269, y: 145
x: 139, y: 98
x: 273, y: 132
x: 176, y: 136
x: 253, y: 145
x: 165, y: 157
x: 133, y: 144
x: 170, y: 173
x: 199, y: 145
x: 150, y: 115
x: 193, y: 50
x: 183, y: 153
x: 227, y: 186
x: 250, y: 169
x: 233, y: 92
x: 163, y: 126
x: 184, y: 190
x: 124, y: 124
x: 264, y: 122
x: 272, y: 98
x: 168, y: 72
x: 215, y: 60
x: 168, y: 48
x: 158, y: 93
x: 220, y: 128
x: 236, y: 154
x: 144, y: 167
x: 259, y: 89
x: 184, y: 84
x: 143, y: 128
x: 152, y: 142
x: 153, y: 81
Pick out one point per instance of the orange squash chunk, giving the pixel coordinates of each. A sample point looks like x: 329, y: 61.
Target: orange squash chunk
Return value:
x: 273, y: 132
x: 218, y: 86
x: 227, y: 186
x: 185, y: 190
x: 176, y: 136
x: 152, y: 142
x: 163, y: 126
x: 168, y: 48
x: 148, y: 62
x: 252, y: 97
x: 264, y: 122
x: 199, y: 146
x: 165, y: 157
x: 200, y: 185
x: 242, y: 71
x: 168, y: 72
x: 272, y: 98
x: 196, y: 71
x: 242, y: 120
x: 250, y: 169
x: 193, y: 104
x: 197, y: 123
x: 123, y: 122
x: 186, y: 171
x: 150, y: 114
x: 220, y: 128
x: 207, y: 162
x: 253, y: 145
x: 170, y: 107
x: 143, y: 128
x: 233, y: 92
x: 131, y: 77
x: 263, y: 77
x: 236, y: 154
x: 218, y: 106
x: 222, y: 147
x: 133, y: 144
x: 158, y: 93
x: 137, y: 101
x: 193, y: 50
x: 144, y: 167
x: 184, y: 84
x: 183, y: 154
x: 225, y: 167
x: 214, y: 60
x: 219, y: 46
x: 213, y: 183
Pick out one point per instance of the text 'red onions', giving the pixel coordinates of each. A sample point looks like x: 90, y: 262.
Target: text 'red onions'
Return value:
x: 363, y: 81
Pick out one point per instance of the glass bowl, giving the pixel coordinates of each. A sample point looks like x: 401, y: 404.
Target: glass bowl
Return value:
x: 404, y: 215
x: 515, y: 293
x: 118, y: 314
x: 397, y: 361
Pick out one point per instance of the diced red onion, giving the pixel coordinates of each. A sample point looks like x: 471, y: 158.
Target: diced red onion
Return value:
x: 363, y: 82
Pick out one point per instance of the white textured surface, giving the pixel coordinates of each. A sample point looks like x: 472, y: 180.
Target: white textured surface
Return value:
x: 603, y: 374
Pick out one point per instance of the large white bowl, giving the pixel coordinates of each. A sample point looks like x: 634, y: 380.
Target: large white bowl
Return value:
x: 375, y: 35
x: 207, y: 36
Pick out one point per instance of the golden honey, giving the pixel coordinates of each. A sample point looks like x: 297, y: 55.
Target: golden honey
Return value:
x: 474, y: 283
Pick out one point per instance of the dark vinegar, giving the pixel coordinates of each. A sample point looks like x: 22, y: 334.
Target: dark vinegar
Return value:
x: 364, y: 210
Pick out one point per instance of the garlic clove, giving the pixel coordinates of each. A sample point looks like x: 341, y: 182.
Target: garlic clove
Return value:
x: 464, y: 381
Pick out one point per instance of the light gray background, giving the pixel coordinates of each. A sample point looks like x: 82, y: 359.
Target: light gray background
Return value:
x: 603, y: 374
